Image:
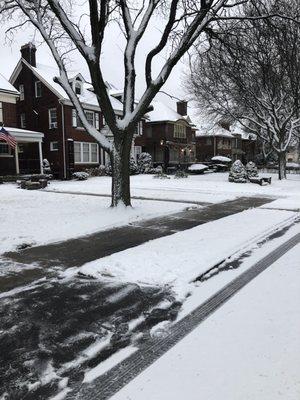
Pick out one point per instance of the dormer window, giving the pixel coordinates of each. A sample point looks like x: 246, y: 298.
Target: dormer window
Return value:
x: 78, y: 88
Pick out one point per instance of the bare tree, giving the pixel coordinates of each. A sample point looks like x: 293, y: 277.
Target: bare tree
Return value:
x: 251, y: 73
x: 57, y: 23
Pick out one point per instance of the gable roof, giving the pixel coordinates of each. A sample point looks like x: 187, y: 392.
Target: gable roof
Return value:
x: 46, y: 74
x: 216, y: 130
x: 163, y: 113
x: 7, y: 87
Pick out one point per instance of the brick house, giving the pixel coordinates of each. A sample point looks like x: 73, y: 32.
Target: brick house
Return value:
x: 27, y: 155
x: 169, y: 135
x: 223, y: 140
x: 43, y: 105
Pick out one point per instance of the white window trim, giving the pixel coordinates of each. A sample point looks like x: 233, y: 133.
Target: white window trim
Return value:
x: 140, y: 128
x: 1, y: 112
x: 23, y: 120
x: 90, y: 153
x: 93, y: 114
x: 35, y: 89
x: 22, y: 92
x: 49, y: 117
x: 75, y: 119
x: 51, y: 146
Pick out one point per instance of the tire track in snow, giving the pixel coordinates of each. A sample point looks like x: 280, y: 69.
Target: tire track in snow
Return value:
x: 112, y: 381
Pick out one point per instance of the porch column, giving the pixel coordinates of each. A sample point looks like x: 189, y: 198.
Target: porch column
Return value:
x: 17, y: 160
x: 41, y: 157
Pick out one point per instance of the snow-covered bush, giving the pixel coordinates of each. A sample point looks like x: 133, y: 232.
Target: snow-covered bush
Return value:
x: 80, y: 176
x: 238, y: 173
x: 251, y: 169
x: 180, y: 173
x: 161, y: 175
x: 97, y: 171
x: 145, y: 163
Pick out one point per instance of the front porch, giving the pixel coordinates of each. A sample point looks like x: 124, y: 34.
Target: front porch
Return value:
x: 26, y: 158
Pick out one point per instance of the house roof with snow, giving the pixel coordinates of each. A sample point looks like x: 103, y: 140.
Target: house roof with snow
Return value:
x: 7, y: 87
x: 238, y: 129
x: 216, y: 130
x: 163, y: 113
x: 46, y: 75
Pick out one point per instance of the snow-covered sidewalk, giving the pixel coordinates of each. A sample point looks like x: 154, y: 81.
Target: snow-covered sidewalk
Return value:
x: 248, y: 349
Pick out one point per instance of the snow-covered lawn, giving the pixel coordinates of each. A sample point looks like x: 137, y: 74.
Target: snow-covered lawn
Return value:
x: 37, y: 217
x: 212, y: 187
x: 248, y: 349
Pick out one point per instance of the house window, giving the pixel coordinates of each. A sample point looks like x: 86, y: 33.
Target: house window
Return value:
x: 94, y: 152
x: 77, y: 152
x: 179, y: 131
x: 23, y: 120
x: 208, y: 142
x: 22, y: 93
x: 5, y: 149
x: 53, y: 146
x: 1, y: 112
x: 77, y: 88
x: 86, y: 153
x: 91, y: 116
x: 52, y: 118
x: 38, y: 89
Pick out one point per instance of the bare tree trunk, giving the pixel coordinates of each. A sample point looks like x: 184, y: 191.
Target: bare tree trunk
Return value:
x: 120, y: 164
x: 281, y: 165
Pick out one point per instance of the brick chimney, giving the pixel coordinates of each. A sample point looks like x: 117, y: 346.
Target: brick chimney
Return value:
x: 182, y: 107
x: 28, y: 53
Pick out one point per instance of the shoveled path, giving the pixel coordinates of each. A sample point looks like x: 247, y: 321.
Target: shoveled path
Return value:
x: 76, y: 252
x: 112, y: 381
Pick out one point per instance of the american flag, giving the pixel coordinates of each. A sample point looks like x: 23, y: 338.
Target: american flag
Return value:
x: 7, y: 137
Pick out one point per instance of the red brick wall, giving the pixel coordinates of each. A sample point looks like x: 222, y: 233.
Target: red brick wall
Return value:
x: 9, y: 114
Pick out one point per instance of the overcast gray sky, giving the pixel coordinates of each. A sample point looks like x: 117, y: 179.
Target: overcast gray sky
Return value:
x: 112, y: 60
